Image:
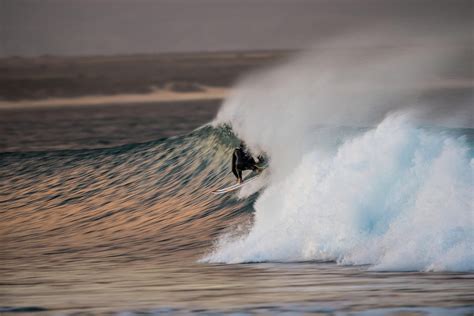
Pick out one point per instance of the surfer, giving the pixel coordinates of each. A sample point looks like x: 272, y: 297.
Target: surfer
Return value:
x: 243, y: 160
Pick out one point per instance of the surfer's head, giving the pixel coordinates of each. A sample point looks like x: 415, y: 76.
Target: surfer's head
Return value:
x: 242, y: 144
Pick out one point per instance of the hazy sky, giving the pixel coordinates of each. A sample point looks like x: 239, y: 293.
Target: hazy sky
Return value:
x: 79, y: 27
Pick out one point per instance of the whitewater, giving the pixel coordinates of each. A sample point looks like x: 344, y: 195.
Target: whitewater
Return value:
x: 396, y: 197
x: 363, y: 169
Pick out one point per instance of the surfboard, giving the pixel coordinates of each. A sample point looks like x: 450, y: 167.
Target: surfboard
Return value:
x: 250, y: 178
x: 236, y: 186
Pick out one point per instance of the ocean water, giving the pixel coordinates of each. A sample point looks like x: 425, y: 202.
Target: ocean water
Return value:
x: 100, y: 126
x: 133, y: 230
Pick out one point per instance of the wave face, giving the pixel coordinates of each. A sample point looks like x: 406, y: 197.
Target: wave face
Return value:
x: 395, y: 196
x: 127, y: 203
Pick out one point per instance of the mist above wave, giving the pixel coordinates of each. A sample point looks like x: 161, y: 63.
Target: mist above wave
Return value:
x: 395, y: 196
x: 352, y: 80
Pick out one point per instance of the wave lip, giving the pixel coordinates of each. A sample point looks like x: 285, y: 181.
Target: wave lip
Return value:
x: 395, y: 197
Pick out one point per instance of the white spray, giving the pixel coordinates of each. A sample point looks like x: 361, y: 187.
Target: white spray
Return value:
x: 394, y: 196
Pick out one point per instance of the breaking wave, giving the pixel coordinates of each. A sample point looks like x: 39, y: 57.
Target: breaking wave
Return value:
x: 393, y: 194
x: 396, y: 197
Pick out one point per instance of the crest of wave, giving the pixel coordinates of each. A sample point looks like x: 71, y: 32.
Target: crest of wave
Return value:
x: 394, y: 196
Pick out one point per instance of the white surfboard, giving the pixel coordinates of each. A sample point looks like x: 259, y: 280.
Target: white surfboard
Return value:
x: 236, y: 186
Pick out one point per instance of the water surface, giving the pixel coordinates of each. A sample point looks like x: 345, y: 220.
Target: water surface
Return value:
x: 121, y: 229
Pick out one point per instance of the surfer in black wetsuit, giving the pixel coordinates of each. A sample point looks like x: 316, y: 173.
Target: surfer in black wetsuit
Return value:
x: 242, y: 160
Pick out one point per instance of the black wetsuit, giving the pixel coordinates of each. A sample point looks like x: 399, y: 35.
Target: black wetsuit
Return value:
x: 241, y: 160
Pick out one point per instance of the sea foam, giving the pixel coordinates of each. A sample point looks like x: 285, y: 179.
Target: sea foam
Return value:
x: 396, y: 197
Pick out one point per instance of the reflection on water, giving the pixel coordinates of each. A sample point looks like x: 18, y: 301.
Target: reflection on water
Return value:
x: 185, y: 286
x: 99, y: 126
